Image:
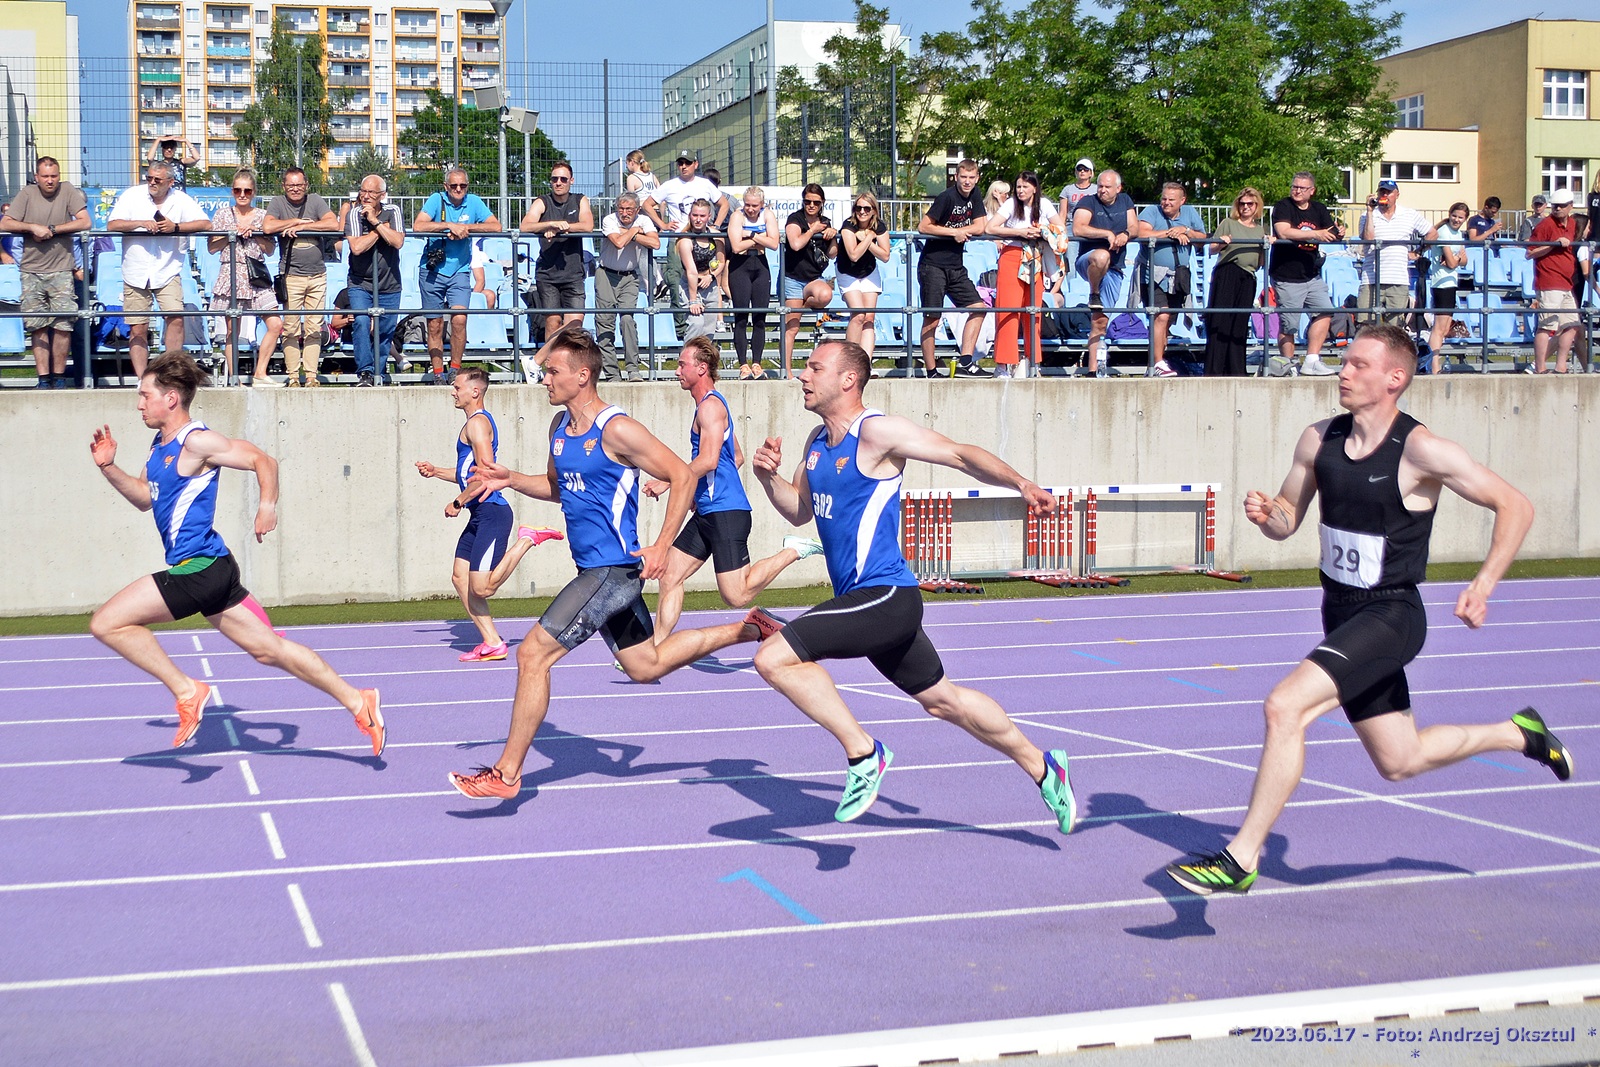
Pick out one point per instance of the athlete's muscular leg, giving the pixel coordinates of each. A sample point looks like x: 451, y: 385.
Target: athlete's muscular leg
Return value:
x: 982, y: 717
x: 669, y: 599
x: 1400, y: 751
x: 1292, y: 705
x: 244, y: 628
x: 740, y: 587
x: 810, y: 688
x: 647, y: 661
x: 469, y: 586
x: 122, y: 625
x: 537, y: 654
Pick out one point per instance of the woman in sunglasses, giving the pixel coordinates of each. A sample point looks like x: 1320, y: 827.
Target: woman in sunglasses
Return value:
x: 248, y: 282
x: 810, y: 244
x: 863, y: 244
x: 1238, y: 243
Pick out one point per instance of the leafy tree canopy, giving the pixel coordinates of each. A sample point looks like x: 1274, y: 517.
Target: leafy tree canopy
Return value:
x: 283, y: 126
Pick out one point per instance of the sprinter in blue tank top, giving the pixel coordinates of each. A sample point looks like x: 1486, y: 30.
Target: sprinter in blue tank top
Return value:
x: 1379, y: 473
x: 477, y: 572
x: 719, y: 529
x: 848, y: 479
x: 179, y: 484
x: 597, y: 454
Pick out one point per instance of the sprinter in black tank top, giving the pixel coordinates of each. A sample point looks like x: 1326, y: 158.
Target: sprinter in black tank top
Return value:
x: 1379, y: 473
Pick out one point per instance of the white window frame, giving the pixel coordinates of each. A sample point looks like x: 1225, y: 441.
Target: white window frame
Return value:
x: 1566, y: 94
x: 1409, y: 112
x: 1406, y: 171
x: 1562, y: 174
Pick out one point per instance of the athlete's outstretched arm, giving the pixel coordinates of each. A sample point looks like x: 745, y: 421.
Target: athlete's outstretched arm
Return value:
x: 489, y: 477
x: 893, y: 437
x: 627, y: 440
x: 103, y: 449
x: 790, y: 497
x: 1451, y: 465
x: 240, y: 455
x: 1280, y: 516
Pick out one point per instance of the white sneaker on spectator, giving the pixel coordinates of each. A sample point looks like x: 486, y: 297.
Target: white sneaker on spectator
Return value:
x: 1163, y: 369
x: 1316, y: 368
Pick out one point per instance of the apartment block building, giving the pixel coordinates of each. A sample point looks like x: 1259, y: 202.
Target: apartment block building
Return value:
x: 195, y: 61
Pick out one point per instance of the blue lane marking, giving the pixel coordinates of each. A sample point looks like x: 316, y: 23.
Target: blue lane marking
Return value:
x: 772, y: 891
x: 1086, y: 655
x: 1197, y: 685
x: 1497, y: 763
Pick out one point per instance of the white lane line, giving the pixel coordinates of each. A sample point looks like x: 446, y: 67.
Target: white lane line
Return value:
x: 249, y: 778
x: 216, y: 695
x: 789, y: 929
x: 303, y: 913
x: 1400, y: 802
x: 273, y: 840
x: 1346, y: 798
x: 205, y: 666
x: 233, y: 737
x: 196, y: 639
x: 352, y: 1026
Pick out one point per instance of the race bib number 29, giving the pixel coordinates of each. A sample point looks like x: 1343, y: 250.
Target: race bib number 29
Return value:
x: 1352, y: 558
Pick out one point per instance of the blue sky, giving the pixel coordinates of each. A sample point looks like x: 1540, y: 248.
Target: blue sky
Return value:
x: 647, y: 32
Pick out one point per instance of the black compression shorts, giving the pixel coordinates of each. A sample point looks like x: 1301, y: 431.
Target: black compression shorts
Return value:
x: 197, y: 588
x: 1370, y: 639
x: 881, y: 623
x: 724, y: 536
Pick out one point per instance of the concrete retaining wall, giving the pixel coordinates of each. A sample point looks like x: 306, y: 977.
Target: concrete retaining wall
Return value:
x: 357, y: 523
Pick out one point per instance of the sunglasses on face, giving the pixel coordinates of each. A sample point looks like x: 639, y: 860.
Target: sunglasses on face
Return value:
x: 813, y: 203
x: 559, y: 178
x: 237, y: 190
x: 456, y: 185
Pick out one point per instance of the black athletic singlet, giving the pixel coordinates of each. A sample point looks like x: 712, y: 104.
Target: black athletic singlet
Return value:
x: 1369, y: 538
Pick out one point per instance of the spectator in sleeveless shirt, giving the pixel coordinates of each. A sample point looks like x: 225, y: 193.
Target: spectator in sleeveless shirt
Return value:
x: 557, y: 217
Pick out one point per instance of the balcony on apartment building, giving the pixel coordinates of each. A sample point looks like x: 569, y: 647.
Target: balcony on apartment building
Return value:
x: 160, y: 102
x: 219, y: 126
x: 156, y: 17
x: 300, y: 20
x: 223, y: 153
x: 349, y: 48
x: 173, y: 128
x: 157, y: 45
x: 229, y: 102
x: 350, y: 77
x: 417, y: 78
x: 228, y: 74
x: 479, y: 77
x: 228, y: 18
x: 165, y: 74
x: 415, y: 53
x: 479, y: 25
x: 358, y: 104
x: 413, y: 25
x: 480, y: 52
x: 351, y: 131
x: 348, y: 20
x: 228, y: 46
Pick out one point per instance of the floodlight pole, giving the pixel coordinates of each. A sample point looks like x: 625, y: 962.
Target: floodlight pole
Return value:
x: 501, y: 7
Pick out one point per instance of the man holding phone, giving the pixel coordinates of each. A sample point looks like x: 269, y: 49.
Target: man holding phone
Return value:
x: 152, y: 261
x: 1385, y: 266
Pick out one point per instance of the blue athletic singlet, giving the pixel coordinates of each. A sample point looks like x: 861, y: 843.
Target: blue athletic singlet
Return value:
x: 466, y: 462
x: 184, y: 507
x: 858, y: 518
x: 599, y: 496
x: 721, y: 489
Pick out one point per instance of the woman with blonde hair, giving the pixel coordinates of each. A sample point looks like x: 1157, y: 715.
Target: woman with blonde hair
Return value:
x: 752, y: 233
x: 1238, y: 244
x: 639, y: 178
x: 863, y: 244
x: 242, y: 280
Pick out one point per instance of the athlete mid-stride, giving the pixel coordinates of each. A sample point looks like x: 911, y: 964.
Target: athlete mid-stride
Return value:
x: 1379, y: 474
x: 179, y: 486
x: 848, y: 479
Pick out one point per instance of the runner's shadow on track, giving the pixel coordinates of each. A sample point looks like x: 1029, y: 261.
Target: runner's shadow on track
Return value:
x: 212, y: 740
x: 792, y: 804
x: 713, y: 665
x: 571, y: 756
x: 1184, y: 834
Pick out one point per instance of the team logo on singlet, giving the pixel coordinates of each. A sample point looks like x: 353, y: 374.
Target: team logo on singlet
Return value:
x: 555, y: 446
x: 168, y: 461
x: 588, y: 446
x: 811, y: 461
x: 840, y: 464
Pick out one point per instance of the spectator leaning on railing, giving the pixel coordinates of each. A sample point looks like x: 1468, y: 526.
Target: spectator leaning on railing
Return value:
x: 302, y: 274
x: 1168, y: 275
x: 1238, y: 242
x: 47, y: 213
x: 376, y: 233
x: 554, y: 217
x: 1302, y: 225
x: 154, y: 216
x: 445, y: 274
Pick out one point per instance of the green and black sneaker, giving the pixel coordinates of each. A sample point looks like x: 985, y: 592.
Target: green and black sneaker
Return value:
x: 1215, y: 872
x: 1542, y: 746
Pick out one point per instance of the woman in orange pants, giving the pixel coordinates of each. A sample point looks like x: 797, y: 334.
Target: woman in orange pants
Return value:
x: 1021, y: 221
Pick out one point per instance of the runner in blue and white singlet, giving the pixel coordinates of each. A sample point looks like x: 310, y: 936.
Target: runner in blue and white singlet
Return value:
x: 184, y: 506
x: 848, y: 480
x: 720, y: 490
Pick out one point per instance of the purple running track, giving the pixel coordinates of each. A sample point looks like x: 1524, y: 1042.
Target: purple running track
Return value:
x: 672, y: 877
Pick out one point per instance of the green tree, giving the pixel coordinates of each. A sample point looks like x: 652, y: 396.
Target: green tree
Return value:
x: 430, y: 144
x: 1213, y: 93
x: 892, y: 95
x: 367, y: 160
x: 286, y: 124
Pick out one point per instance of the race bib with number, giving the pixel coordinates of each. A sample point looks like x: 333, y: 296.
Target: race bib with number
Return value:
x: 1352, y: 558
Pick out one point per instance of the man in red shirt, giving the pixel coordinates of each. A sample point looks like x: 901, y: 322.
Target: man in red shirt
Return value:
x: 1553, y: 266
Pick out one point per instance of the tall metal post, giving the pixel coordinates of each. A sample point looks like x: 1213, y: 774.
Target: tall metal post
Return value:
x: 847, y: 137
x: 501, y: 8
x: 299, y: 104
x: 605, y: 124
x: 754, y: 140
x: 805, y: 142
x: 894, y: 126
x: 770, y: 131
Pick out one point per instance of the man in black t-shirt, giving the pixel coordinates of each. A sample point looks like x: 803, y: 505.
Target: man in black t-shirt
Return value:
x: 1379, y: 474
x: 1301, y: 225
x: 954, y: 215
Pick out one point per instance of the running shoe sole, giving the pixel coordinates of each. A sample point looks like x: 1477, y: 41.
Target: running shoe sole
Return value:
x: 539, y: 535
x: 372, y: 725
x: 485, y: 653
x: 765, y: 622
x: 189, y: 714
x: 1210, y: 874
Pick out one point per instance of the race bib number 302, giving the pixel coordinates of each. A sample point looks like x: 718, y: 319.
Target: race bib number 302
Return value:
x: 1352, y: 558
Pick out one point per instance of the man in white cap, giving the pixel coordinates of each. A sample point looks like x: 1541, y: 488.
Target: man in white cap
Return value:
x: 677, y: 195
x: 1553, y: 266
